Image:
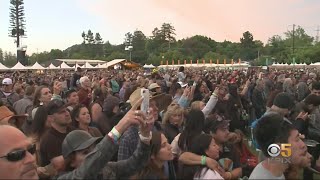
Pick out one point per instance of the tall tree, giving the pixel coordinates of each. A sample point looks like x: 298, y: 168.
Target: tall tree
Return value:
x: 98, y: 39
x: 168, y: 32
x: 1, y: 56
x: 83, y: 35
x: 248, y: 52
x: 128, y: 39
x: 90, y: 38
x: 17, y: 20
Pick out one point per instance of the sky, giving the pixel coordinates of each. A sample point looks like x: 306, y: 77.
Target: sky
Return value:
x: 58, y: 24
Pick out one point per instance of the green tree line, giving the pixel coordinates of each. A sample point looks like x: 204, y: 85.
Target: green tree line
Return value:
x: 162, y: 45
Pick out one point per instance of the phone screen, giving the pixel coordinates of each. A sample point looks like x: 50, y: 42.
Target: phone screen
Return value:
x: 145, y: 103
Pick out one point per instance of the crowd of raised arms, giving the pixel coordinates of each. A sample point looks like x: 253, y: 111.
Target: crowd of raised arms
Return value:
x: 201, y: 124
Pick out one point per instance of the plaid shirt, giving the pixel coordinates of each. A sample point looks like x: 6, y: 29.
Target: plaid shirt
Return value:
x: 128, y: 143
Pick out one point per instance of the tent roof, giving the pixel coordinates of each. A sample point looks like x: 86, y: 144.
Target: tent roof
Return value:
x: 65, y: 66
x: 51, y: 66
x: 114, y: 62
x: 87, y: 66
x: 18, y: 66
x: 37, y: 66
x: 3, y: 67
x: 80, y: 61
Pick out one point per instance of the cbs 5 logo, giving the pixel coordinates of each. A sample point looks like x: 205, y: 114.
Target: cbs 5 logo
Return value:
x: 274, y: 150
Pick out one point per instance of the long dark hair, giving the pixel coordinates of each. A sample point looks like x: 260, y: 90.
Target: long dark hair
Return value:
x: 39, y: 122
x: 75, y: 114
x: 194, y: 126
x: 151, y: 169
x: 37, y: 95
x: 198, y: 146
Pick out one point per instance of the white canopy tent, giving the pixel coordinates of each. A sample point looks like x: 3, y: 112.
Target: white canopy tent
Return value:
x: 18, y: 66
x: 3, y: 67
x: 87, y: 66
x: 65, y: 66
x: 37, y: 66
x: 51, y: 66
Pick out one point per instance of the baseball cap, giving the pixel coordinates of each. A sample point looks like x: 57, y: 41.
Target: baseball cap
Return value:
x: 55, y: 106
x: 283, y: 100
x: 77, y: 140
x: 215, y: 122
x: 6, y: 81
x: 153, y: 86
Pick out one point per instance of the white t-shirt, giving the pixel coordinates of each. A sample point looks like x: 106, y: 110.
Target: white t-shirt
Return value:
x: 175, y: 147
x: 208, y: 174
x: 260, y: 172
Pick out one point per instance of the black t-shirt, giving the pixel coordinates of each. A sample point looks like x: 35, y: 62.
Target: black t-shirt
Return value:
x: 229, y: 151
x: 51, y: 145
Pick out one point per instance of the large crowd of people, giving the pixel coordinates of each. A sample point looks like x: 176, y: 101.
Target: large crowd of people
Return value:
x: 201, y: 124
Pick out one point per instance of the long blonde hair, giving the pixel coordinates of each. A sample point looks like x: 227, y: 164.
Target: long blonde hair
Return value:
x: 172, y: 109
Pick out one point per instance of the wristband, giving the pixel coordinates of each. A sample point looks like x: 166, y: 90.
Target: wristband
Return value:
x: 115, y: 132
x: 214, y: 94
x: 203, y: 160
x: 143, y: 138
x: 113, y: 137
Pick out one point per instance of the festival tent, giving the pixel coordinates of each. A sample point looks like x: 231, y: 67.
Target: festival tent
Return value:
x: 87, y: 66
x: 18, y: 66
x: 37, y: 66
x: 65, y: 66
x: 51, y: 66
x: 3, y: 67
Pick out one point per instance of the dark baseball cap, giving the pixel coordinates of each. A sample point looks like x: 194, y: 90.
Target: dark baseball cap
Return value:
x: 77, y: 140
x: 56, y: 105
x: 214, y: 122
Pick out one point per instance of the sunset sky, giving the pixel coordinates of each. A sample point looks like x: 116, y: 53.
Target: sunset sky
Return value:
x: 59, y: 23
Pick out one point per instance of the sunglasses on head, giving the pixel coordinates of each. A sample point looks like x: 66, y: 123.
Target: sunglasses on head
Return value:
x: 20, y: 154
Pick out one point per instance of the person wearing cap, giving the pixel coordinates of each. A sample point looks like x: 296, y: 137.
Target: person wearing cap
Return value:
x: 85, y: 160
x: 50, y: 145
x: 218, y: 127
x: 110, y: 112
x: 130, y: 138
x: 155, y: 89
x: 7, y: 95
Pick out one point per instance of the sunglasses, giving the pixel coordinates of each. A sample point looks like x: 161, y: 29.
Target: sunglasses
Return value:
x: 20, y: 154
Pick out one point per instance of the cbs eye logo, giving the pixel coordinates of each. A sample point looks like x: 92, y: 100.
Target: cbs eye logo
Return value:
x: 274, y: 150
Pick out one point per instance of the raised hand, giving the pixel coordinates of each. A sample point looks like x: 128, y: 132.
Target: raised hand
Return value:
x: 133, y: 117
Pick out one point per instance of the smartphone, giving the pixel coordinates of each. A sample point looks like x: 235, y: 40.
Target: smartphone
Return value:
x: 145, y: 103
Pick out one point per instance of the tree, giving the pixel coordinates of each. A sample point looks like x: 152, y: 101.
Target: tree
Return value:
x: 247, y: 51
x: 98, y: 39
x: 168, y: 33
x: 139, y: 44
x: 1, y: 56
x: 83, y: 35
x: 17, y: 20
x: 90, y: 38
x: 9, y: 59
x: 128, y: 39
